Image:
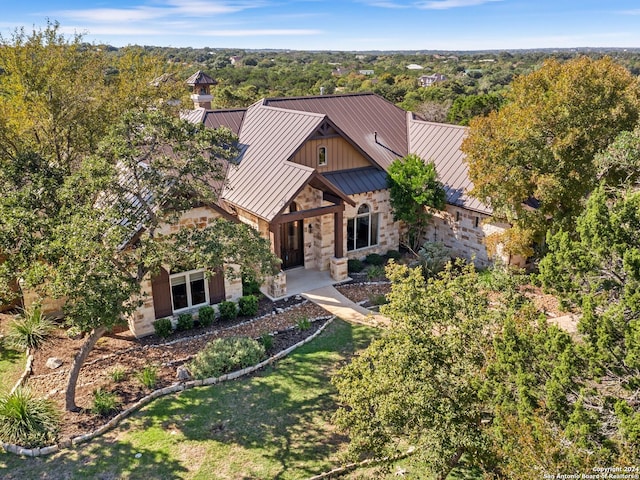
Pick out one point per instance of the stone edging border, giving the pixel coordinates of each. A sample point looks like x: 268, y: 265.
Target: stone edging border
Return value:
x: 370, y: 461
x: 25, y: 374
x: 36, y: 452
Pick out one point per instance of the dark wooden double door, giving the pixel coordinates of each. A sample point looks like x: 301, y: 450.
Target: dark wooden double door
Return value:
x: 292, y: 246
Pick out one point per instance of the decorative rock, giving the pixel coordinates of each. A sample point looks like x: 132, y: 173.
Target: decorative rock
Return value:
x: 183, y: 374
x: 138, y: 455
x: 298, y: 298
x: 53, y: 363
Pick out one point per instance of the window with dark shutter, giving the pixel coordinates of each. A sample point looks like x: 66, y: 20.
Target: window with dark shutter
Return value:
x: 161, y: 292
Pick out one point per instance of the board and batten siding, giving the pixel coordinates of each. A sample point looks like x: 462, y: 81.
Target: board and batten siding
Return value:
x: 341, y: 155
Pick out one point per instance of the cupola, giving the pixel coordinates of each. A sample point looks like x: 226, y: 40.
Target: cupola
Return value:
x: 201, y: 84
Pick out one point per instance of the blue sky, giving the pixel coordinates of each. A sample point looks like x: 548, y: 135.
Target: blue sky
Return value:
x: 341, y: 25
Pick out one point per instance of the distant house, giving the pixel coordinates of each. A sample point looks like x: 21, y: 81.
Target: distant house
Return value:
x: 235, y: 60
x: 365, y: 72
x: 428, y: 80
x: 311, y: 177
x: 414, y: 66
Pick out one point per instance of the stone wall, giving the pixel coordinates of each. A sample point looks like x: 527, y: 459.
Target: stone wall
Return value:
x: 388, y: 229
x: 464, y: 232
x: 141, y: 321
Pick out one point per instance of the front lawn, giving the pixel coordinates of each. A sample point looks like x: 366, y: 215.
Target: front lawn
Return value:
x: 275, y: 424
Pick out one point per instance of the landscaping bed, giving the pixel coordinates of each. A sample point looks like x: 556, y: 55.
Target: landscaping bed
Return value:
x: 121, y: 351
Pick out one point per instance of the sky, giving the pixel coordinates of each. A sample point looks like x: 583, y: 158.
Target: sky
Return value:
x: 359, y: 25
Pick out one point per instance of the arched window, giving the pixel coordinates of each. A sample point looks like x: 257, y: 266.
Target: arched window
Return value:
x: 362, y: 230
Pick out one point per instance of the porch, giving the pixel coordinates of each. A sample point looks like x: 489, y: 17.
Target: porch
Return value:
x: 300, y: 280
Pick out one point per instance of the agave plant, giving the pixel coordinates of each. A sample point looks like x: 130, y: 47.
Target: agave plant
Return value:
x: 30, y: 329
x: 26, y: 420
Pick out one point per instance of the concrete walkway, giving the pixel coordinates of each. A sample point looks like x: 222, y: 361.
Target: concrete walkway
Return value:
x: 337, y: 304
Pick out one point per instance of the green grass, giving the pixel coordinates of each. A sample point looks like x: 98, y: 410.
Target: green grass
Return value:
x: 12, y: 363
x: 273, y: 425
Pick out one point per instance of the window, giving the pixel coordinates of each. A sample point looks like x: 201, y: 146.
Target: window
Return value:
x: 322, y: 156
x: 362, y: 231
x: 477, y: 222
x: 188, y: 289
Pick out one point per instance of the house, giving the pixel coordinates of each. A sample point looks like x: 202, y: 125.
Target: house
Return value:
x: 428, y: 80
x: 366, y: 72
x: 311, y: 177
x: 414, y: 66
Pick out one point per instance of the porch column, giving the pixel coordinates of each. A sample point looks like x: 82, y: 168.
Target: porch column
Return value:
x: 338, y: 234
x: 277, y: 240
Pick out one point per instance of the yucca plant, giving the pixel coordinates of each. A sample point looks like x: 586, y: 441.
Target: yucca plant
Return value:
x: 30, y: 330
x: 26, y: 420
x: 104, y: 402
x: 148, y: 376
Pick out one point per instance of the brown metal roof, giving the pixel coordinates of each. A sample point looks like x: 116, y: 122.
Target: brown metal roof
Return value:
x: 440, y: 144
x: 231, y: 119
x: 359, y: 117
x: 264, y: 180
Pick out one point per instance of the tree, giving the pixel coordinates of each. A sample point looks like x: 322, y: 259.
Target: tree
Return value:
x: 84, y: 195
x: 419, y: 384
x: 414, y: 189
x: 534, y: 158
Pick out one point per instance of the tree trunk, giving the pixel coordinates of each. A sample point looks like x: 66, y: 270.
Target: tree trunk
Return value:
x: 453, y: 462
x: 78, y: 361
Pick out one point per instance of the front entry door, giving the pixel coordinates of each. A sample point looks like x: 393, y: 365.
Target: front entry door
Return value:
x: 292, y: 246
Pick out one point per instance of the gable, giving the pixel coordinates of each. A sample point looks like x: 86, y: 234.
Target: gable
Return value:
x: 340, y: 155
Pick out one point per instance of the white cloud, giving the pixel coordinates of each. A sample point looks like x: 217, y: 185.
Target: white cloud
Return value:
x: 385, y: 4
x: 630, y: 12
x: 446, y: 4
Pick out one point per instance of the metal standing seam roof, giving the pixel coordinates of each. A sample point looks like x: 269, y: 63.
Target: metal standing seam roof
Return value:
x: 440, y: 143
x: 231, y: 119
x: 359, y: 117
x: 264, y: 179
x: 358, y: 180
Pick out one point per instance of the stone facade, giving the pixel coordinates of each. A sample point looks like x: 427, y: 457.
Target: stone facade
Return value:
x: 464, y: 233
x: 141, y: 321
x: 388, y: 229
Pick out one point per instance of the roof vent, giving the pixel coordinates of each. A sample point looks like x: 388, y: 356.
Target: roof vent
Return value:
x: 321, y: 90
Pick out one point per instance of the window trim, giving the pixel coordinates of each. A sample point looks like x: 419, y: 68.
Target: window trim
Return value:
x: 326, y: 159
x: 187, y: 276
x: 369, y: 214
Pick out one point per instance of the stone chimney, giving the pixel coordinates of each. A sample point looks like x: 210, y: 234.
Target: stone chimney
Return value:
x: 201, y: 84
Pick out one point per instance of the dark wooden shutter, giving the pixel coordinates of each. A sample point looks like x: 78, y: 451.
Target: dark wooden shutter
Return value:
x: 216, y: 287
x: 161, y: 291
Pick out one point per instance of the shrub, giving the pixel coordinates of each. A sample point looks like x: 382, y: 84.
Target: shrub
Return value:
x: 30, y: 330
x: 224, y: 355
x: 248, y: 305
x: 74, y: 333
x: 394, y: 254
x: 377, y: 271
x: 375, y: 259
x: 26, y: 420
x: 250, y: 285
x: 185, y: 322
x: 104, y: 402
x: 148, y: 376
x: 117, y: 373
x: 228, y: 310
x: 163, y: 327
x: 378, y: 299
x: 206, y: 316
x: 303, y: 324
x: 267, y: 341
x: 433, y: 256
x: 354, y: 265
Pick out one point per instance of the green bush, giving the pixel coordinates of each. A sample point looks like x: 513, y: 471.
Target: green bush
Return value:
x: 224, y: 355
x: 30, y: 330
x: 117, y: 373
x: 303, y: 324
x: 267, y: 341
x: 206, y: 316
x: 228, y: 310
x: 163, y: 327
x: 104, y: 402
x: 354, y: 265
x: 394, y: 254
x: 432, y: 257
x: 375, y: 259
x: 185, y: 322
x: 378, y: 299
x: 148, y: 376
x: 26, y: 420
x: 375, y: 272
x: 248, y: 305
x: 250, y: 285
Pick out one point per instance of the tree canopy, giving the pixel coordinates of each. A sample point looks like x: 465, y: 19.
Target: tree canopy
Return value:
x: 534, y: 159
x: 414, y: 189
